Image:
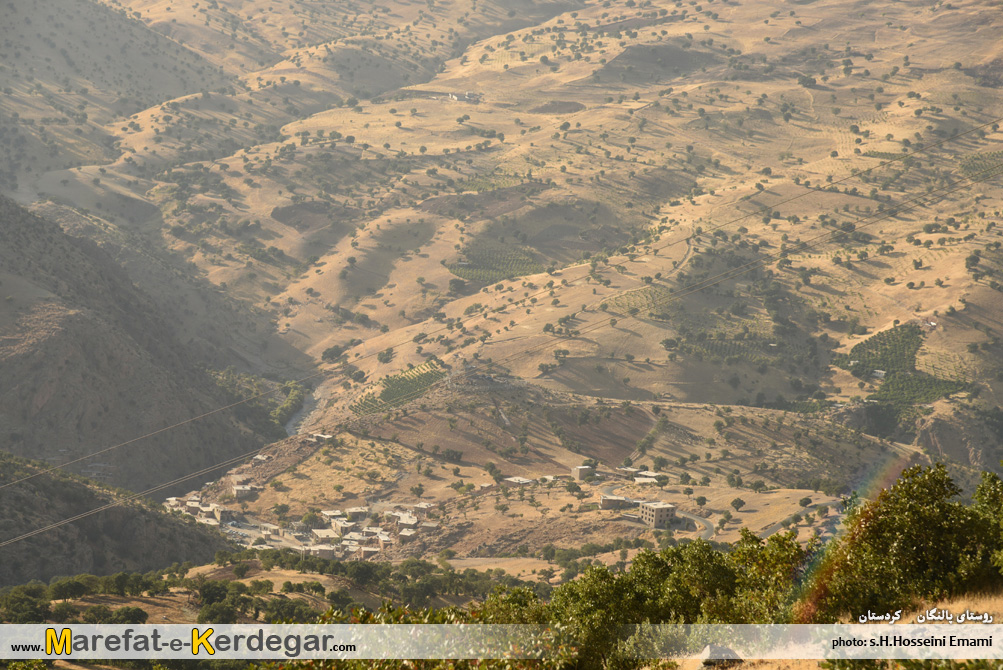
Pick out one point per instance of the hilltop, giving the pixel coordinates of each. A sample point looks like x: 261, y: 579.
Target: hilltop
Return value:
x: 729, y: 241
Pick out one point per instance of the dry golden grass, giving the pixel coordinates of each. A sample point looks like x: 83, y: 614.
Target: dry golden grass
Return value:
x: 618, y: 111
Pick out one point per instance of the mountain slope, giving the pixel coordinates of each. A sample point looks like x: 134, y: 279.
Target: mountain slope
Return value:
x: 127, y: 538
x: 90, y: 363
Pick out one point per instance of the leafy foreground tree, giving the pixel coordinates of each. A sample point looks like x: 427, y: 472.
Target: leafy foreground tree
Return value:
x: 914, y: 541
x: 591, y: 616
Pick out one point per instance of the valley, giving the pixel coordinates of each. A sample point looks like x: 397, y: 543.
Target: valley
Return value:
x: 426, y: 260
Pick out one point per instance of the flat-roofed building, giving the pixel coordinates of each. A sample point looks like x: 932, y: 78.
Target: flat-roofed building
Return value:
x: 322, y: 550
x: 613, y: 502
x: 356, y: 513
x: 657, y: 514
x: 422, y: 508
x: 325, y: 534
x: 359, y: 538
x: 582, y: 471
x: 242, y: 491
x: 342, y: 526
x: 518, y: 481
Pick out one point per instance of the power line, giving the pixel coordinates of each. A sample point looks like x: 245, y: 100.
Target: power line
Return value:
x: 923, y: 149
x: 156, y: 432
x: 126, y: 499
x: 707, y: 283
x: 721, y: 277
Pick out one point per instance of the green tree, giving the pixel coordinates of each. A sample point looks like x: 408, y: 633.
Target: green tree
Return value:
x: 912, y: 541
x: 64, y: 613
x: 221, y: 612
x: 125, y: 615
x: 25, y: 604
x: 595, y: 607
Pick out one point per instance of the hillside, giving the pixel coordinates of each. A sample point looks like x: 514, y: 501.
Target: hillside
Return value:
x: 938, y: 550
x: 752, y: 250
x: 132, y: 537
x: 90, y: 362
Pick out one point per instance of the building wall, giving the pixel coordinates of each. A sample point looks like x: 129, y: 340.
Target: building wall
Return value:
x: 656, y: 517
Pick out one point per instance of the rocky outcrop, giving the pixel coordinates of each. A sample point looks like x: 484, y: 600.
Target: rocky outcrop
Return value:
x: 958, y: 438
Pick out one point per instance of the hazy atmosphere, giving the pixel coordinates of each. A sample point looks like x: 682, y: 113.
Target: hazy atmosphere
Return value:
x: 513, y: 311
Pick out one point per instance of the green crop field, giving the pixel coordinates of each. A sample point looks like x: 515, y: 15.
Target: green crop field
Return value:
x: 400, y: 388
x: 883, y: 155
x: 643, y: 299
x: 977, y: 165
x: 492, y: 183
x: 916, y: 387
x: 892, y: 350
x: 944, y: 366
x: 490, y: 261
x: 895, y: 352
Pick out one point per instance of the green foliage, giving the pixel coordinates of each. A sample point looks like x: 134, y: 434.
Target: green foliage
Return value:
x: 917, y: 387
x: 220, y: 612
x: 400, y: 388
x: 489, y: 261
x: 295, y: 395
x: 980, y: 166
x: 644, y: 298
x: 892, y: 350
x: 266, y: 414
x: 883, y: 155
x: 25, y: 604
x: 281, y: 609
x: 912, y: 542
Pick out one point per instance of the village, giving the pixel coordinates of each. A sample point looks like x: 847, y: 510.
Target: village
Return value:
x: 366, y: 532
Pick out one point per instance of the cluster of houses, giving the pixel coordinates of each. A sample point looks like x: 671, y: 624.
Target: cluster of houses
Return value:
x: 351, y: 534
x: 655, y: 514
x: 466, y: 96
x: 241, y: 478
x: 637, y: 475
x: 356, y: 534
x: 211, y: 514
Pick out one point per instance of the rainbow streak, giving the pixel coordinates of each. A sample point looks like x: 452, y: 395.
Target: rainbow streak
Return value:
x: 879, y: 476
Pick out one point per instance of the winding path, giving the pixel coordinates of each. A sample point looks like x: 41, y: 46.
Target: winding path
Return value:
x: 708, y: 527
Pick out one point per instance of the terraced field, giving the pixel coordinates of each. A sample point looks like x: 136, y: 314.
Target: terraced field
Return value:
x: 400, y: 388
